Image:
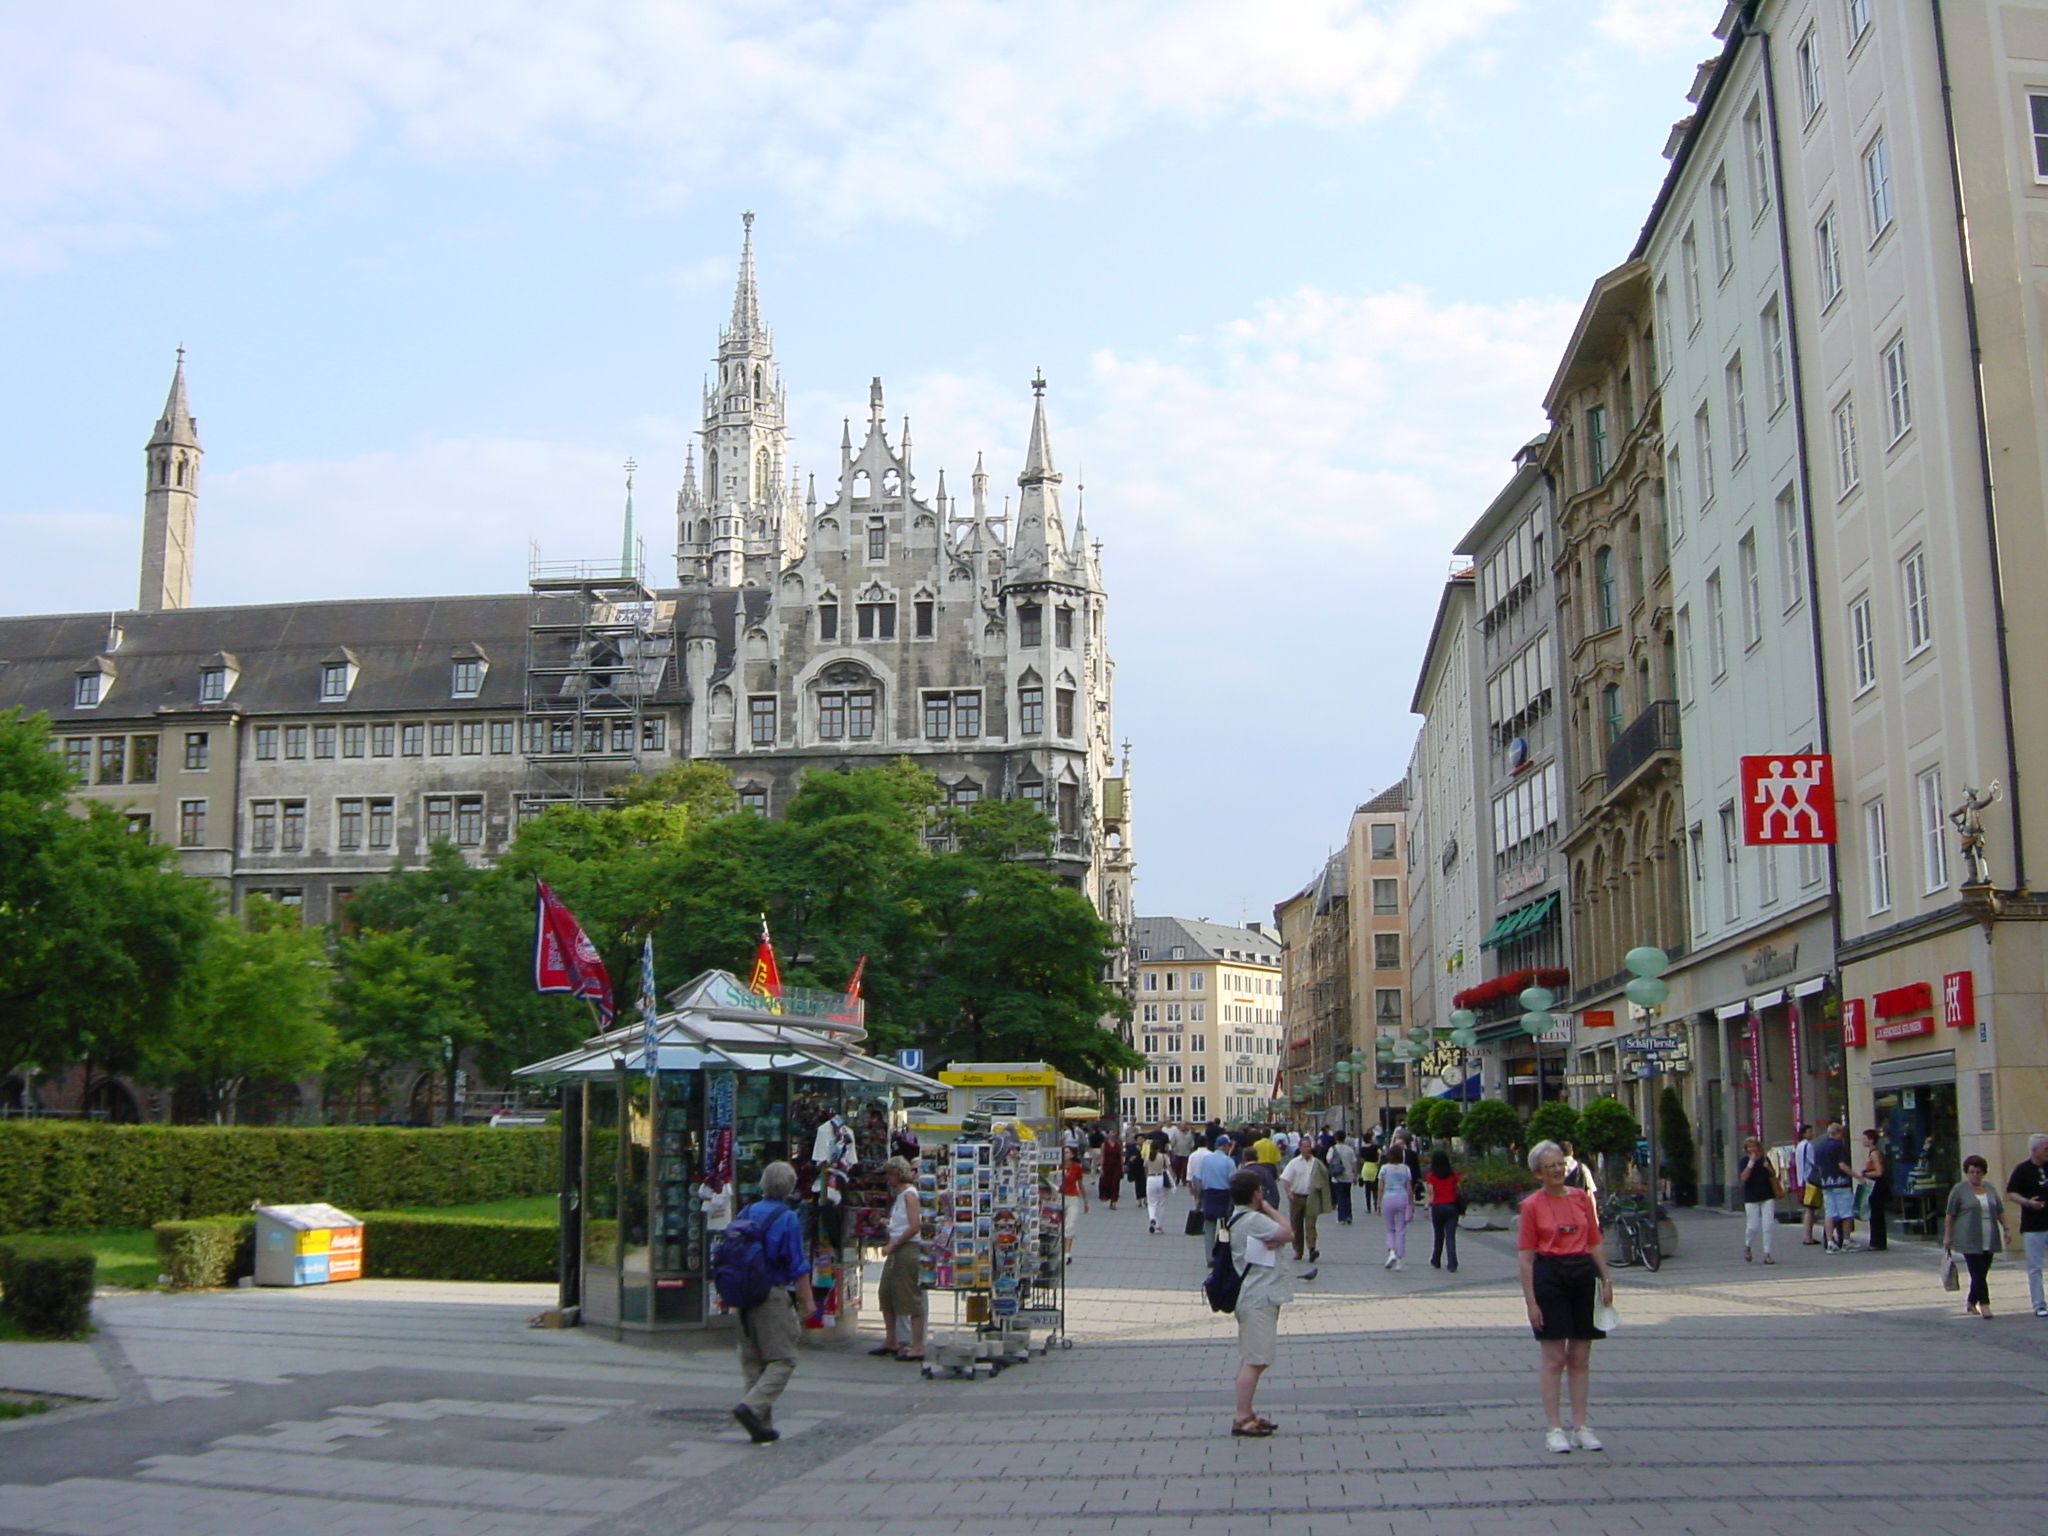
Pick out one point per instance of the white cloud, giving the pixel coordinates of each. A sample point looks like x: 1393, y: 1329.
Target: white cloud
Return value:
x: 899, y: 108
x: 1660, y: 26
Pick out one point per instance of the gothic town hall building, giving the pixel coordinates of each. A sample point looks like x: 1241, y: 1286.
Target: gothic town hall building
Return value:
x: 297, y: 749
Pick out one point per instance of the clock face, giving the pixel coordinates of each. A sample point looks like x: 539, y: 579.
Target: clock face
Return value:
x: 1450, y: 1080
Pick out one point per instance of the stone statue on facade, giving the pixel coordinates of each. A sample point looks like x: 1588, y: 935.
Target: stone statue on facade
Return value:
x: 1968, y: 819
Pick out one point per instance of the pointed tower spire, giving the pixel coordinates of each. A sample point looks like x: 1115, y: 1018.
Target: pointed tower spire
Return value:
x: 170, y: 502
x: 978, y: 483
x: 626, y: 549
x: 1039, y: 538
x: 746, y: 301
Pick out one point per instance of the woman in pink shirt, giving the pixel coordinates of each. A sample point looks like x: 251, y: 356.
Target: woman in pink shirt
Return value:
x: 1564, y: 1269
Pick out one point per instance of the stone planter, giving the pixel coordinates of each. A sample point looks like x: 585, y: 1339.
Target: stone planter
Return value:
x: 1488, y: 1218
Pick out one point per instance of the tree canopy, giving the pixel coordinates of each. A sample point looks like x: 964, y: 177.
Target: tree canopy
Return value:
x: 98, y: 929
x: 973, y: 949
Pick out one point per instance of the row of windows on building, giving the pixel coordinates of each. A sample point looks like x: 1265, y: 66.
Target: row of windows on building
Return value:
x: 874, y: 618
x: 552, y: 736
x: 1196, y: 1013
x: 360, y: 824
x: 1154, y: 1109
x: 335, y: 681
x: 1063, y: 805
x: 1196, y: 1072
x: 852, y: 714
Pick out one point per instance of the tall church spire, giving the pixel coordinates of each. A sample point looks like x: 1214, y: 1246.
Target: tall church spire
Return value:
x: 734, y: 532
x: 170, y: 501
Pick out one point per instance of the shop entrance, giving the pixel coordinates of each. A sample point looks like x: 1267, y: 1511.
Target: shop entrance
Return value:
x: 1915, y: 1103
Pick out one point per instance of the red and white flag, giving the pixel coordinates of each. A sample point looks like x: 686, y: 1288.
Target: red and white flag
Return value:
x: 564, y: 959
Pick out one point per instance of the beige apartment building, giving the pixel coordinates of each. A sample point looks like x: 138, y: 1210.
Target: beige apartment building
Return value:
x: 1208, y: 1018
x: 1913, y: 147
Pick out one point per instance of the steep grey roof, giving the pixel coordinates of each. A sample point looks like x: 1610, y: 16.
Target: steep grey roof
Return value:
x: 1208, y: 941
x: 402, y: 648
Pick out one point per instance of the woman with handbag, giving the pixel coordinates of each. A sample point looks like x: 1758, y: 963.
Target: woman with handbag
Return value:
x: 1158, y: 1179
x: 1564, y: 1278
x: 1974, y: 1227
x: 1762, y: 1189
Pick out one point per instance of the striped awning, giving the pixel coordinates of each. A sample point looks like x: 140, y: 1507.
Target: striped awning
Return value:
x: 1523, y: 920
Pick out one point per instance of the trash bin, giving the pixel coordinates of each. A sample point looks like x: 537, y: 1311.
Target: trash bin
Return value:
x: 307, y: 1245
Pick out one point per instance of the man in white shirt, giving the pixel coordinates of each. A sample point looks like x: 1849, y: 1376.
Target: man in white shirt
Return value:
x: 1802, y: 1175
x: 1304, y: 1203
x: 1196, y: 1157
x: 1343, y: 1165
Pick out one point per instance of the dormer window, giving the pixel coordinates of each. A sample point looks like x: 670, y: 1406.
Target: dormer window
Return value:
x: 213, y: 685
x: 87, y: 691
x: 1030, y: 624
x: 466, y: 677
x: 334, y: 680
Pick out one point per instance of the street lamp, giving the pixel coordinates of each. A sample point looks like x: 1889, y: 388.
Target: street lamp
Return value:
x: 1648, y: 990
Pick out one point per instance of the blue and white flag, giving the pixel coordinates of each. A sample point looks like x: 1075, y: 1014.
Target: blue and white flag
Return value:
x: 650, y: 1038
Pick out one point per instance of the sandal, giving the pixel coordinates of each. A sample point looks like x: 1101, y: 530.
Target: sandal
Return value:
x: 910, y: 1357
x: 1255, y: 1429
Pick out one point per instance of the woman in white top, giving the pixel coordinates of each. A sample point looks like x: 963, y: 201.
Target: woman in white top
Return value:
x: 1397, y: 1204
x: 899, y: 1293
x: 1158, y: 1179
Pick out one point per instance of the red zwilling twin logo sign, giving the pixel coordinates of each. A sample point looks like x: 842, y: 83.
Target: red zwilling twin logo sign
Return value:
x: 1787, y: 799
x: 1959, y: 999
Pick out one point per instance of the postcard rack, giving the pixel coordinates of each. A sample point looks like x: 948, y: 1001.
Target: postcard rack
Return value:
x: 992, y: 1227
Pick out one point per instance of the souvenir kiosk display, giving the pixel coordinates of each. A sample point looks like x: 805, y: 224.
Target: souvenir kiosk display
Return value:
x: 992, y: 1228
x: 656, y: 1163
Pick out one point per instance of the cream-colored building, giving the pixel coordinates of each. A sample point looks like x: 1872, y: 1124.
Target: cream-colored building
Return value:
x: 1208, y: 1018
x: 1913, y: 146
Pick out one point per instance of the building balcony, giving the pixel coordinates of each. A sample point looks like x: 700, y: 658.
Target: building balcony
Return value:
x: 1654, y: 730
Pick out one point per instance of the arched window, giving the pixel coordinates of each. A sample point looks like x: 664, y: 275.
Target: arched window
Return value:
x: 892, y: 483
x: 1610, y: 714
x: 181, y: 469
x: 761, y: 486
x: 1606, y: 601
x: 860, y: 485
x: 711, y: 472
x: 759, y: 394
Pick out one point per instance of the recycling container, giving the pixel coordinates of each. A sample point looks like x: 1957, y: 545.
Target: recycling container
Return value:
x: 307, y: 1245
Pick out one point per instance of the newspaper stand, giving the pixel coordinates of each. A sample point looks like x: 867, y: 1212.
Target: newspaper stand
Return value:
x: 307, y: 1245
x: 992, y: 1240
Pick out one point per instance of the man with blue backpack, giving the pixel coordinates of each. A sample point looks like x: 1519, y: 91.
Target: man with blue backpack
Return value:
x: 762, y: 1273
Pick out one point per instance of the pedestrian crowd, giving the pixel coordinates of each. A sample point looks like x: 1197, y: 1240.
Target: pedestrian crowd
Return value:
x: 1261, y: 1194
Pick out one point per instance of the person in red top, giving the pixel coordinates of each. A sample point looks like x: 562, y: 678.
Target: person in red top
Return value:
x: 1442, y: 1180
x: 1564, y: 1267
x: 1073, y: 1198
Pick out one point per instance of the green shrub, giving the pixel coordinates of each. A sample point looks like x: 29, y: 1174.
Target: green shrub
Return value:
x: 1606, y: 1127
x: 1434, y: 1118
x: 46, y: 1285
x: 208, y: 1253
x: 76, y: 1177
x: 1674, y: 1141
x: 1490, y: 1124
x: 1495, y: 1181
x: 400, y: 1247
x: 1554, y: 1120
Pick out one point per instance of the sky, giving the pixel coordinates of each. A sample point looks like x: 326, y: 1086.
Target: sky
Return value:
x: 1297, y: 271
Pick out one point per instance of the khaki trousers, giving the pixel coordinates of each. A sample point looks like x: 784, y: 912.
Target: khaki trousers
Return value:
x: 770, y: 1335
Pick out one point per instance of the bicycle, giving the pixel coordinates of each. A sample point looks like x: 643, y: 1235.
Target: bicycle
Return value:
x: 1633, y: 1221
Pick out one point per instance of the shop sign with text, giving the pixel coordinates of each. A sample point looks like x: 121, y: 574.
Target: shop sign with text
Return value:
x: 1788, y: 799
x: 1903, y: 1029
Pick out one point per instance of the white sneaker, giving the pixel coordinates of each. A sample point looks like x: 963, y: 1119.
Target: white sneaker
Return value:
x: 1588, y: 1441
x: 1400, y: 1263
x: 1390, y: 1259
x: 1557, y: 1440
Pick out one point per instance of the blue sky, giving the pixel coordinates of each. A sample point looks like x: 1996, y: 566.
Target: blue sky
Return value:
x: 1298, y: 272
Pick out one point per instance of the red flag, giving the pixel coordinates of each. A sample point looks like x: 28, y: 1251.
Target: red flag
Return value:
x: 853, y: 986
x: 767, y: 977
x: 564, y: 959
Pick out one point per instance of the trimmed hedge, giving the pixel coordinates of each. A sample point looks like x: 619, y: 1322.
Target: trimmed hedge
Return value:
x: 199, y: 1255
x: 72, y: 1177
x: 46, y: 1285
x: 208, y: 1253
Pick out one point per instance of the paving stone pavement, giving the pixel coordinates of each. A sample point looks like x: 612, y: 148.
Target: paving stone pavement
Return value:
x: 1820, y: 1394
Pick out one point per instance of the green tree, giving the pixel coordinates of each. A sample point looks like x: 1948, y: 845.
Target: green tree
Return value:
x: 97, y: 927
x: 395, y: 1002
x: 253, y: 1007
x: 1609, y: 1131
x: 1675, y: 1142
x: 1554, y: 1120
x: 1435, y: 1118
x: 1490, y: 1125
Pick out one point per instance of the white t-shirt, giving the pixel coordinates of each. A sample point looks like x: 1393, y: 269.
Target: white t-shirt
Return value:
x: 1397, y: 1181
x: 1195, y: 1160
x: 1256, y: 1255
x: 1298, y: 1177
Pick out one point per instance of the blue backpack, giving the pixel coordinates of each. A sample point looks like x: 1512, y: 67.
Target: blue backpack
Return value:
x: 739, y: 1264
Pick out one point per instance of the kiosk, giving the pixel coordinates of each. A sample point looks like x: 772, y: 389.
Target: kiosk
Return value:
x: 655, y: 1162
